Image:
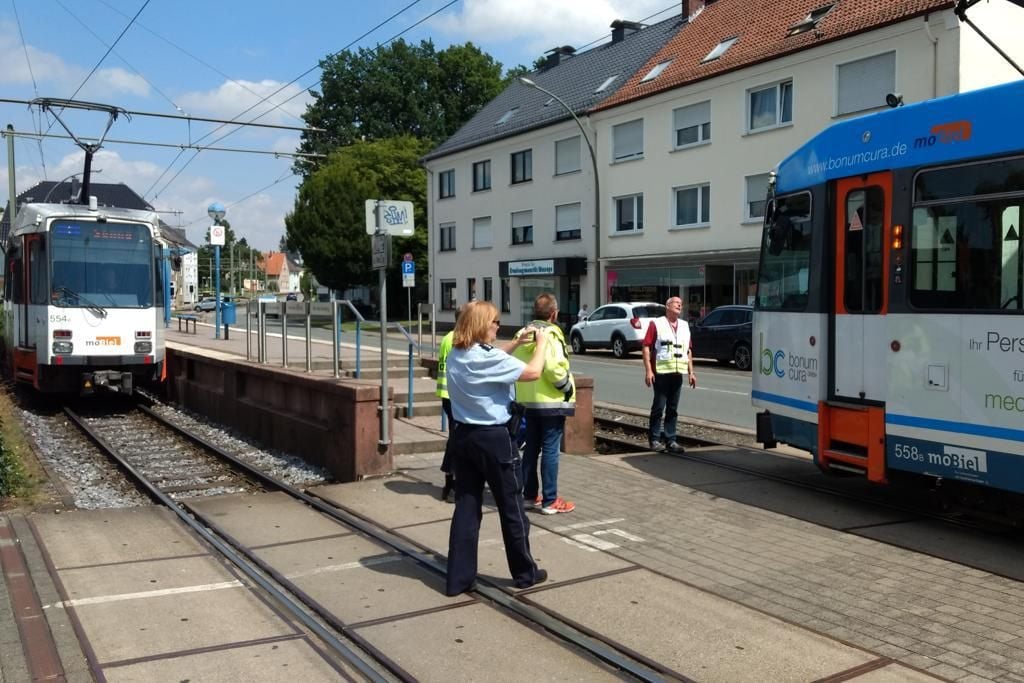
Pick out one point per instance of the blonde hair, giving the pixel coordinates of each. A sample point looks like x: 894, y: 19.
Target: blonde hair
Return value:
x: 474, y: 323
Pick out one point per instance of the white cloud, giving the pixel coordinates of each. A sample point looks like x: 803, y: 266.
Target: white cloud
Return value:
x: 53, y: 73
x: 539, y: 25
x: 232, y: 97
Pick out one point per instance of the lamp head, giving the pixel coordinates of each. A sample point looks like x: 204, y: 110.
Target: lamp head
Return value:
x: 894, y: 99
x: 526, y: 81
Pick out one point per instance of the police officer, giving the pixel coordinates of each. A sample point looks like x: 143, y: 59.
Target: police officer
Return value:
x: 480, y: 385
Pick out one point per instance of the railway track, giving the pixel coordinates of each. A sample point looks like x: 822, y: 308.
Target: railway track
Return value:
x: 186, y: 467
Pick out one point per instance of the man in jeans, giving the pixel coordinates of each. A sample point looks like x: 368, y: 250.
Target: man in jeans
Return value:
x: 547, y: 401
x: 668, y: 358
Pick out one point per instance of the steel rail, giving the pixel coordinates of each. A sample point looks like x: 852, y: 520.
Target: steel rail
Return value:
x: 228, y: 552
x: 644, y: 671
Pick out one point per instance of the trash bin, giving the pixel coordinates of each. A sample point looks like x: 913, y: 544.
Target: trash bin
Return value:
x: 227, y: 313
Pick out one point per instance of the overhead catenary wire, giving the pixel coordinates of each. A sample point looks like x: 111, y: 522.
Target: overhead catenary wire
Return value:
x: 37, y: 117
x: 145, y: 143
x: 299, y: 77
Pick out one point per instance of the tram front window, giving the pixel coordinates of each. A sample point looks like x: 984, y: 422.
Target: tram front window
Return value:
x: 106, y: 264
x: 784, y: 276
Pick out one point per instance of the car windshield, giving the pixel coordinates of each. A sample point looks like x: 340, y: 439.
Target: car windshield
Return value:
x: 648, y: 311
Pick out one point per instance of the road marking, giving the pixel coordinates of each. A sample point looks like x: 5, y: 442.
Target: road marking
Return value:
x: 590, y: 543
x: 620, y: 533
x: 104, y: 599
x: 586, y: 525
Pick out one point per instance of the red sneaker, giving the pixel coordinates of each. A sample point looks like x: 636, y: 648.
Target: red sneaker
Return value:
x: 558, y: 506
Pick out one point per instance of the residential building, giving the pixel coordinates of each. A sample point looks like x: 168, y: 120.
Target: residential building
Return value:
x: 739, y: 87
x: 282, y: 273
x: 683, y: 145
x: 512, y: 193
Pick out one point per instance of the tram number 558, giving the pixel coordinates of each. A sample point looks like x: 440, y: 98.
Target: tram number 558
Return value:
x: 907, y: 452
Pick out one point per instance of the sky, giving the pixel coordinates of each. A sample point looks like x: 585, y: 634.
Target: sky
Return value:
x: 218, y: 59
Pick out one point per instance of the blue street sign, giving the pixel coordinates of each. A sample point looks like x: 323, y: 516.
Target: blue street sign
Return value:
x: 408, y: 267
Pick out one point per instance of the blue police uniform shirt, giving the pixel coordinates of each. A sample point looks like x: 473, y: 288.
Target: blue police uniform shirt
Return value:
x: 481, y: 384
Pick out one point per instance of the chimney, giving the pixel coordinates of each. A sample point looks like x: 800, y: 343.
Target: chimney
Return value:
x: 74, y: 190
x: 556, y: 54
x: 692, y: 7
x: 622, y: 28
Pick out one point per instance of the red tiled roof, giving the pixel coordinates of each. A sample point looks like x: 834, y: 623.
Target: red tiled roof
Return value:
x: 761, y: 26
x: 273, y: 263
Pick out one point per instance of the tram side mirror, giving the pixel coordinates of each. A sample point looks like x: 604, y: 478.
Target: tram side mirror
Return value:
x: 175, y: 263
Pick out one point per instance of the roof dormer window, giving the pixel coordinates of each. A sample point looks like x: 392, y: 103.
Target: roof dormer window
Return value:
x: 810, y: 21
x: 720, y: 49
x: 608, y: 81
x: 655, y: 72
x: 507, y: 116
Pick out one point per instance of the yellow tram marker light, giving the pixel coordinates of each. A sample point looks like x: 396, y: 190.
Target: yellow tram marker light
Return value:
x: 897, y: 236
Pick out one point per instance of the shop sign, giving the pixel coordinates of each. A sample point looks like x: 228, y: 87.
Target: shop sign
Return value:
x: 546, y: 267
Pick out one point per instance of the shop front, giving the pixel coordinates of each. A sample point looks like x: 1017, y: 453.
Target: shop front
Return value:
x: 530, y: 278
x: 702, y: 287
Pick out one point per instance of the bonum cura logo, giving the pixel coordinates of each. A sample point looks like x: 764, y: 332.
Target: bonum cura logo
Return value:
x: 771, y: 361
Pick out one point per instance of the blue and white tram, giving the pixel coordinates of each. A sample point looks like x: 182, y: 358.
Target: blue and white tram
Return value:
x: 84, y: 298
x: 889, y: 323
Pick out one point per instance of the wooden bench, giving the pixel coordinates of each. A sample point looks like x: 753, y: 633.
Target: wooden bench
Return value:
x: 187, y: 319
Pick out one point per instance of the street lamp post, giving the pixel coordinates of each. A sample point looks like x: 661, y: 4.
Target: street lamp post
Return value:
x: 216, y: 212
x: 597, y: 187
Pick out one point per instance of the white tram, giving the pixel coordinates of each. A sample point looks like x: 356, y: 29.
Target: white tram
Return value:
x: 83, y: 298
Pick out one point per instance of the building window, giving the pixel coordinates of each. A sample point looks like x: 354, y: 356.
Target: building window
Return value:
x: 482, y: 236
x: 567, y: 155
x: 506, y: 299
x: 628, y: 140
x: 863, y: 84
x: 756, y: 191
x: 522, y: 166
x: 567, y: 222
x: 447, y: 236
x: 771, y: 106
x: 720, y: 49
x: 488, y: 289
x: 447, y: 295
x: 629, y: 213
x: 507, y: 116
x: 810, y: 21
x: 655, y: 71
x: 447, y: 183
x: 522, y: 227
x: 692, y: 124
x: 605, y: 83
x: 693, y: 205
x: 482, y: 175
x: 471, y: 289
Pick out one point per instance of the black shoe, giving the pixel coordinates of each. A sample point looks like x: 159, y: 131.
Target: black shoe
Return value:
x: 468, y: 589
x: 539, y: 577
x: 448, y: 493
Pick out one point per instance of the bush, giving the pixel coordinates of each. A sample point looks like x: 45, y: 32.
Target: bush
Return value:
x: 13, y: 478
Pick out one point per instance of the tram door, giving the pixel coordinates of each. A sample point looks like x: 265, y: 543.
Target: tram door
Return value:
x: 862, y: 224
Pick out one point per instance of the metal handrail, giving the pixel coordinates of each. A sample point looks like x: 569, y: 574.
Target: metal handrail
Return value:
x: 412, y: 345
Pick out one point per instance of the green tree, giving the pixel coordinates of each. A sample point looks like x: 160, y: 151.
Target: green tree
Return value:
x: 328, y: 222
x: 398, y: 89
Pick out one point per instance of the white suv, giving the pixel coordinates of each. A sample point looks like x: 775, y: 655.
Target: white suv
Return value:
x: 620, y: 327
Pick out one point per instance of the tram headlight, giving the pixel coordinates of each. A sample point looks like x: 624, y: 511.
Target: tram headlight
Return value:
x: 63, y: 347
x: 143, y: 347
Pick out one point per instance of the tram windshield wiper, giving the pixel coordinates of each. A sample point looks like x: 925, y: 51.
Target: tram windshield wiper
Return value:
x: 95, y: 309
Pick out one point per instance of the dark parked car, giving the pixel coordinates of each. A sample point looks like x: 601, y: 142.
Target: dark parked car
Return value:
x: 725, y: 335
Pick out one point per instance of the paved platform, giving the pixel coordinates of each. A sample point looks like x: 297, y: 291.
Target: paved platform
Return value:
x: 659, y: 556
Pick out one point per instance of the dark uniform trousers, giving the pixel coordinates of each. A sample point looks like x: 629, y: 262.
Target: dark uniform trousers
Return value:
x: 485, y: 453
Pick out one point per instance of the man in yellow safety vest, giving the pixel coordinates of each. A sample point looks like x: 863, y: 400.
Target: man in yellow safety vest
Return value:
x: 668, y: 357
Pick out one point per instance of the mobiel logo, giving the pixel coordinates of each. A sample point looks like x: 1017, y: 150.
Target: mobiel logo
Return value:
x: 104, y: 341
x: 780, y: 363
x: 944, y: 134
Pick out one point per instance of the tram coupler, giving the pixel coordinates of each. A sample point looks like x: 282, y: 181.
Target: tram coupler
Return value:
x: 110, y: 380
x: 764, y: 433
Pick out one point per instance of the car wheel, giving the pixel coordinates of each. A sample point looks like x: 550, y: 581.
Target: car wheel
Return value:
x: 577, y: 344
x: 199, y: 309
x: 742, y: 357
x: 619, y: 346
